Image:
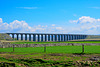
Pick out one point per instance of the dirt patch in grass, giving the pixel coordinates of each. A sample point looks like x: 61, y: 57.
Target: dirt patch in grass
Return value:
x: 56, y: 54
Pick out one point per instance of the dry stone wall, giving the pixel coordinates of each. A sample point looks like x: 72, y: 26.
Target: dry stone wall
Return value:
x: 7, y: 44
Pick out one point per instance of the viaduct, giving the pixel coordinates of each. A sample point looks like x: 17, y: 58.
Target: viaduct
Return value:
x: 46, y: 37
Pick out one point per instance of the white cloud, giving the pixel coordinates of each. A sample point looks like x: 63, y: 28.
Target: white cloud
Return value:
x: 86, y: 24
x: 0, y: 20
x: 28, y: 7
x: 82, y: 25
x: 53, y: 24
x: 59, y: 28
x: 86, y: 19
x: 16, y: 26
x: 22, y: 26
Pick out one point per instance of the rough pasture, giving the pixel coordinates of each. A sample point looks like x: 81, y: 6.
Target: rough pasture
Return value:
x: 61, y: 55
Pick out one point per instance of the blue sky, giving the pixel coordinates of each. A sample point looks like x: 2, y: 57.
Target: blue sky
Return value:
x: 50, y: 16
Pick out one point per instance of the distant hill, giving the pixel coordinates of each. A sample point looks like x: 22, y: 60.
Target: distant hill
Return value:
x: 5, y: 37
x: 93, y: 37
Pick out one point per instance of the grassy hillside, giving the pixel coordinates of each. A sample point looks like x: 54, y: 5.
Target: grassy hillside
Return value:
x: 5, y: 37
x: 93, y: 37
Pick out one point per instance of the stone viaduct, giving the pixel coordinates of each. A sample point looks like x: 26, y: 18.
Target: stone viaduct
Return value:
x: 40, y: 37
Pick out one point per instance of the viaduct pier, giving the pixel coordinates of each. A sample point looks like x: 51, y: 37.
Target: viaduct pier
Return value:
x: 39, y: 37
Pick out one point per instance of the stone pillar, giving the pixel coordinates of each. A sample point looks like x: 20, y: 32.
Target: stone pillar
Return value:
x: 83, y: 37
x: 59, y: 37
x: 38, y: 37
x: 34, y: 37
x: 21, y: 36
x: 67, y: 37
x: 71, y: 37
x: 29, y: 37
x: 55, y: 37
x: 80, y: 36
x: 25, y: 37
x: 45, y: 37
x: 75, y: 37
x: 64, y: 37
x: 51, y: 37
x: 42, y: 37
x: 17, y: 36
x: 13, y: 36
x: 48, y: 37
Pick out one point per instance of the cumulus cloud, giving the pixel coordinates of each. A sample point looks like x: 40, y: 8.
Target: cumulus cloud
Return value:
x: 86, y: 19
x: 53, y: 24
x: 59, y: 28
x: 82, y: 25
x: 22, y: 26
x: 0, y: 20
x: 16, y: 26
x: 87, y: 25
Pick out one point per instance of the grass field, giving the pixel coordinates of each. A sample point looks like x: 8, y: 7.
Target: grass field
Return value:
x: 55, y: 56
x: 55, y: 49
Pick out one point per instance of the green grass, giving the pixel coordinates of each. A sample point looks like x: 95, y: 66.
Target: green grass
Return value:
x: 25, y: 42
x: 33, y: 62
x: 54, y: 49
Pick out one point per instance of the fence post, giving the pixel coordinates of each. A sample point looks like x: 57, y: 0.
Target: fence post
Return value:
x: 44, y: 47
x: 13, y: 47
x: 82, y: 48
